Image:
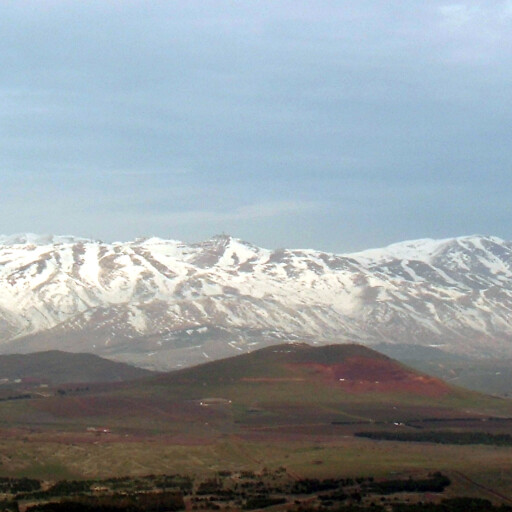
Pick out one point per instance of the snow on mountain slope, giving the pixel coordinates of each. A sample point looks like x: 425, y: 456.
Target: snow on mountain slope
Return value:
x: 163, y: 303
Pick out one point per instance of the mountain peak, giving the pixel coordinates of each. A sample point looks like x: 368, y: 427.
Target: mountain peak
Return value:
x: 424, y: 249
x: 222, y: 237
x: 39, y: 239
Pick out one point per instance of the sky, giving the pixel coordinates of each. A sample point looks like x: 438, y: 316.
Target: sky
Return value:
x: 334, y: 125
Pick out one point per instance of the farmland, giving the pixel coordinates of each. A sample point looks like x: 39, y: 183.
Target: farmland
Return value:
x: 293, y: 409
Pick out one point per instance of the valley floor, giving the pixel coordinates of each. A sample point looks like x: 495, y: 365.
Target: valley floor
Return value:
x: 475, y: 470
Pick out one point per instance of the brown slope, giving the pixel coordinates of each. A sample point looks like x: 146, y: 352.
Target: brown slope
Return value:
x: 349, y: 368
x: 288, y: 385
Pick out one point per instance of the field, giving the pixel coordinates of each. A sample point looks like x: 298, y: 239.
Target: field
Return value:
x: 478, y: 471
x: 296, y: 412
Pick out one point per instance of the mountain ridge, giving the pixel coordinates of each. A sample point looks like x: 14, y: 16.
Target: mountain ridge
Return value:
x: 156, y: 302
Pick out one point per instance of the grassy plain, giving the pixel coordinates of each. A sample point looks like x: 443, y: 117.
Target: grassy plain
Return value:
x: 481, y: 471
x: 296, y: 408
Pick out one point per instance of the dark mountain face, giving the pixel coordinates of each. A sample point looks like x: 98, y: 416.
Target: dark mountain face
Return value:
x: 55, y: 367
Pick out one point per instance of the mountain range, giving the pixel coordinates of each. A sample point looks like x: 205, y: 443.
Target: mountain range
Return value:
x: 165, y: 304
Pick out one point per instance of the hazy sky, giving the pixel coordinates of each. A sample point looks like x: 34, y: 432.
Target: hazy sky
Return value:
x: 338, y: 125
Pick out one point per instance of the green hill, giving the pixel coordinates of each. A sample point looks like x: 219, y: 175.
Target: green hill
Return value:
x: 56, y: 367
x: 290, y: 405
x: 294, y: 385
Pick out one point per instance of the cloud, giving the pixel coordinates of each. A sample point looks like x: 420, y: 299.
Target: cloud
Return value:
x: 455, y: 16
x: 181, y: 118
x: 475, y: 32
x: 250, y: 212
x: 481, y: 13
x: 142, y: 173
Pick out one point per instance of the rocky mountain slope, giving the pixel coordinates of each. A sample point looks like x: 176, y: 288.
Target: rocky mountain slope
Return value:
x: 486, y: 375
x: 165, y: 304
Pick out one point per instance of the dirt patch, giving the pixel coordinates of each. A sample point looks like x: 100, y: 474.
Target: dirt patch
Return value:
x: 362, y: 375
x: 271, y: 379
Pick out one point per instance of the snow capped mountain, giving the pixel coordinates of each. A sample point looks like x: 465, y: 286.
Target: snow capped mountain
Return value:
x: 163, y: 303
